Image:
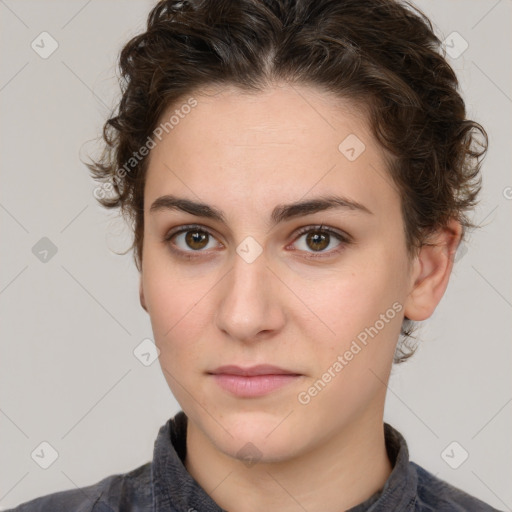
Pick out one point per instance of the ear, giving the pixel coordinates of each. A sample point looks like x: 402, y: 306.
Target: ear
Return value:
x: 432, y: 267
x: 141, y: 295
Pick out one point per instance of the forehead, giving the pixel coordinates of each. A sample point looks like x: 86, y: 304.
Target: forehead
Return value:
x: 280, y: 114
x: 284, y: 142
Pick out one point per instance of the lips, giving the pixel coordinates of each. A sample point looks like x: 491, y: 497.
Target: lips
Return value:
x: 254, y: 381
x: 262, y: 369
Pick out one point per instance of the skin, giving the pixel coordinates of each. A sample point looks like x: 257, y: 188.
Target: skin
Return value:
x: 244, y: 154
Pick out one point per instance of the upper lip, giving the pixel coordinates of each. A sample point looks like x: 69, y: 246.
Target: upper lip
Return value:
x: 261, y: 369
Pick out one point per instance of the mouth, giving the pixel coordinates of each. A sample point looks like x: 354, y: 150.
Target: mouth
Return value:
x: 261, y: 369
x: 253, y: 381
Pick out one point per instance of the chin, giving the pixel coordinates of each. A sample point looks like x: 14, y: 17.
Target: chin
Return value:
x: 258, y: 436
x: 251, y: 450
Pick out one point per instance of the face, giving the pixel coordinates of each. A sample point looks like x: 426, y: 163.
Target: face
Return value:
x: 247, y: 279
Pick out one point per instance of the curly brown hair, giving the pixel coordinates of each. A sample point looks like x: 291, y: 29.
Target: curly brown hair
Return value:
x: 381, y: 54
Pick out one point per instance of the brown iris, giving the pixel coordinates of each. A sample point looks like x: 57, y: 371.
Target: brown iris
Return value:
x: 196, y: 239
x: 317, y: 240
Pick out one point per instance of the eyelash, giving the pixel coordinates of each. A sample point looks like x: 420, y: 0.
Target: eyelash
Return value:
x: 189, y: 255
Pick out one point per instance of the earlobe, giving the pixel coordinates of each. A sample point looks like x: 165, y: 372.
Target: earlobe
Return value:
x: 431, y: 272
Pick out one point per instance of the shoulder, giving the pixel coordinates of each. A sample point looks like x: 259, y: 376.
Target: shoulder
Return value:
x: 130, y: 491
x: 434, y: 494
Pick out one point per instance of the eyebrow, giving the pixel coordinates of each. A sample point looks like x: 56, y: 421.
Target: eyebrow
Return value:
x: 280, y: 213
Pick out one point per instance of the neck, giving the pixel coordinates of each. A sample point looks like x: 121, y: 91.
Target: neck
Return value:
x: 341, y: 473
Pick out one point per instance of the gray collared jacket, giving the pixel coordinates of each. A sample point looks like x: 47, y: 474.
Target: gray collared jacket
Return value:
x: 164, y: 485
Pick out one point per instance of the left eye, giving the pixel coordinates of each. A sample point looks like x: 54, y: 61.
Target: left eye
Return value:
x: 317, y: 240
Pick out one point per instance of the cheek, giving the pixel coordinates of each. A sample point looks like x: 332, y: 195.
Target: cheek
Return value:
x: 178, y: 321
x: 174, y: 304
x: 177, y: 316
x: 352, y: 299
x: 362, y: 307
x: 363, y: 311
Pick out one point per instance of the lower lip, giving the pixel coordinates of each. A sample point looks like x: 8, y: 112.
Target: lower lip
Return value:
x: 254, y: 385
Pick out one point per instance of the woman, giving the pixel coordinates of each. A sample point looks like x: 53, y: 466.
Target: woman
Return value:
x: 298, y: 175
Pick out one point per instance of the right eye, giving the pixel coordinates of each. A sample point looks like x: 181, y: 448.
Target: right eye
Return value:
x: 190, y: 239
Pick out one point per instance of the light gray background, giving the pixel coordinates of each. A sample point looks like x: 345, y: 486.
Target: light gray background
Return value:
x: 68, y: 375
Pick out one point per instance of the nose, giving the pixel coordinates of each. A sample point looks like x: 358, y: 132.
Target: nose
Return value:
x: 250, y: 307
